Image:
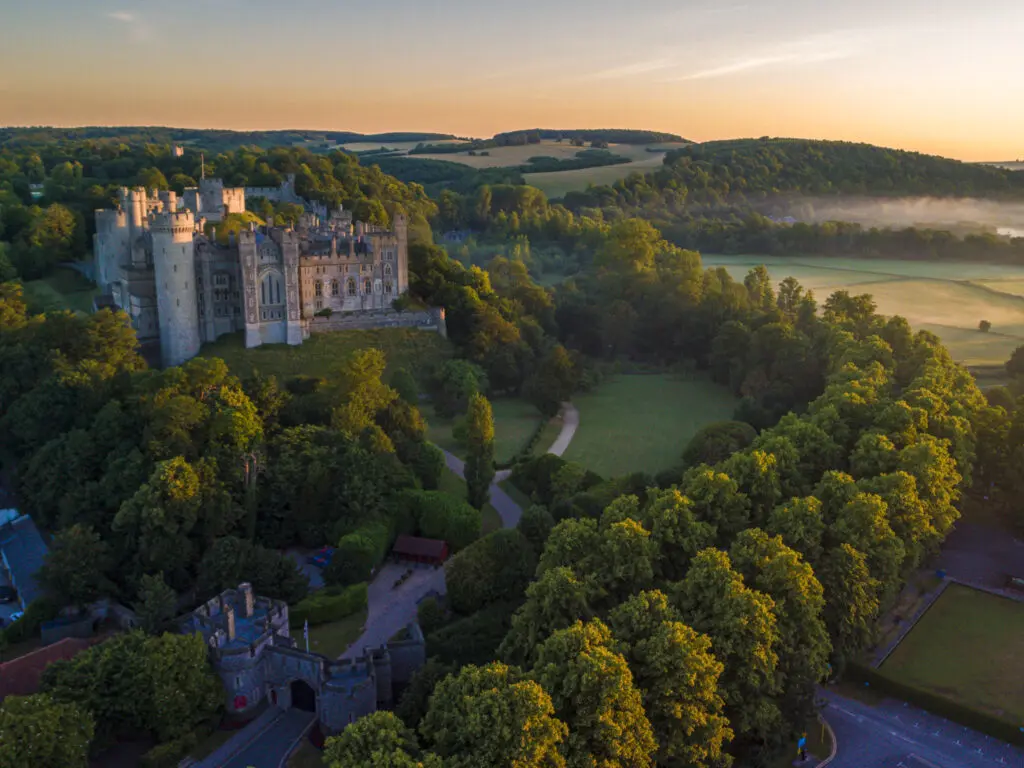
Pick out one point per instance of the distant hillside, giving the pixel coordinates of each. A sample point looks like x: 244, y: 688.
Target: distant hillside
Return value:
x: 752, y: 170
x: 609, y: 135
x: 210, y: 139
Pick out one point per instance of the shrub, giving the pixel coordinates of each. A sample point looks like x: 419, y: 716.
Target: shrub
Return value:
x: 169, y: 754
x: 535, y: 524
x: 327, y: 605
x: 474, y: 639
x: 716, y: 442
x: 429, y: 615
x: 427, y: 463
x: 440, y: 515
x: 405, y: 385
x: 38, y: 611
x: 357, y: 554
x: 534, y: 476
x: 496, y: 568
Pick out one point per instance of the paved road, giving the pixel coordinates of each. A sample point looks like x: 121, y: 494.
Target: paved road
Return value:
x: 570, y: 421
x: 390, y: 609
x: 890, y: 734
x: 274, y: 744
x: 509, y: 511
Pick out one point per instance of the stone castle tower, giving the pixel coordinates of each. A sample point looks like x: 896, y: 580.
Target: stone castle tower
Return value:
x: 172, y: 233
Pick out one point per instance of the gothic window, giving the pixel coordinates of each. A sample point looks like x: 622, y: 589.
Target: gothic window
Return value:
x: 318, y: 288
x: 387, y: 286
x: 367, y: 286
x: 387, y: 270
x: 270, y: 289
x: 351, y: 286
x: 334, y: 287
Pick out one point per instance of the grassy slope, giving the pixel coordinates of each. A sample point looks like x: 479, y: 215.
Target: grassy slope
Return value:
x: 514, y: 422
x: 333, y: 639
x: 64, y: 289
x: 321, y: 353
x: 946, y: 298
x: 642, y: 423
x: 967, y: 647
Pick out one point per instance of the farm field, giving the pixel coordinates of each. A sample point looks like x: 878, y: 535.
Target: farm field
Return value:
x: 322, y: 353
x: 966, y: 647
x: 64, y: 289
x: 947, y: 298
x: 514, y: 423
x: 499, y: 157
x: 641, y: 423
x: 557, y: 183
x: 399, y: 146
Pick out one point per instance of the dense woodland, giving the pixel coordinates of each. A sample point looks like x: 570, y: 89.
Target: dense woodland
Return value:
x: 677, y: 620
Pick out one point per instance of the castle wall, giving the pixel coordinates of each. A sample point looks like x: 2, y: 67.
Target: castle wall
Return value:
x: 407, y: 655
x: 175, y: 275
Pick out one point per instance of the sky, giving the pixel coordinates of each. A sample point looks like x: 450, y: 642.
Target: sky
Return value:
x: 938, y: 76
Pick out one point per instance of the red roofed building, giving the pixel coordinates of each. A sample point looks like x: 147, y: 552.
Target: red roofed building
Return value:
x: 21, y: 676
x: 417, y: 550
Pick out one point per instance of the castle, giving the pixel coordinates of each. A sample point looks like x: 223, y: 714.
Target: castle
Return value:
x: 256, y: 658
x: 182, y: 286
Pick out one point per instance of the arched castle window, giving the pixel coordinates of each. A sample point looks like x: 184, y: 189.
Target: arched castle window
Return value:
x: 367, y: 286
x: 387, y: 270
x: 318, y: 288
x: 334, y: 287
x: 351, y: 286
x: 270, y: 289
x: 387, y: 286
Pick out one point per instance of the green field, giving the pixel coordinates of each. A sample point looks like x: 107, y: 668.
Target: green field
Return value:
x: 514, y: 423
x: 554, y: 183
x: 322, y: 353
x: 966, y: 647
x: 63, y: 289
x: 333, y: 639
x: 947, y: 298
x: 641, y: 423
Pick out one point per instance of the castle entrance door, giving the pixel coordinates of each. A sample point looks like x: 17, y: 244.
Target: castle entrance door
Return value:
x: 303, y: 696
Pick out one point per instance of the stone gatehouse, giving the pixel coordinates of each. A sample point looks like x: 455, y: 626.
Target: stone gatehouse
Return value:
x: 252, y: 651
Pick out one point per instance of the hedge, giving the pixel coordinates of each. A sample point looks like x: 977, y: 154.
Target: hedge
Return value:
x: 358, y: 553
x: 170, y: 753
x: 938, y: 705
x: 527, y: 450
x: 327, y: 605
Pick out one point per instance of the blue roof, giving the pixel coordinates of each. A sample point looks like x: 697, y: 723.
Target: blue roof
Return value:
x: 23, y: 551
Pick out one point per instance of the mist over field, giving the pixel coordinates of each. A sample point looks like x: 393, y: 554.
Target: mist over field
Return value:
x: 961, y: 213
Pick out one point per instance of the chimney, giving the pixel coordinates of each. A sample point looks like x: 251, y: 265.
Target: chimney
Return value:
x: 249, y: 601
x: 229, y: 617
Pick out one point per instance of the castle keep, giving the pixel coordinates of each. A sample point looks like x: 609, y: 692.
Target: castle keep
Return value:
x: 182, y: 288
x: 252, y: 651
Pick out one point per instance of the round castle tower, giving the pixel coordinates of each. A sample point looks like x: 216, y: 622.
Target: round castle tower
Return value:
x: 175, y: 273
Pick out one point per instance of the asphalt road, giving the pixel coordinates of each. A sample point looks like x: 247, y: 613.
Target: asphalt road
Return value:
x: 897, y: 735
x: 274, y: 744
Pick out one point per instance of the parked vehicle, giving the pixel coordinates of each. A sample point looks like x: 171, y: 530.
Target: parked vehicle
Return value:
x: 8, y: 594
x: 16, y: 615
x: 322, y: 558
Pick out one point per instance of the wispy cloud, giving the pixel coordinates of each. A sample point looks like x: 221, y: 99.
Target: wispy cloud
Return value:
x: 811, y: 50
x: 138, y: 29
x: 637, y: 68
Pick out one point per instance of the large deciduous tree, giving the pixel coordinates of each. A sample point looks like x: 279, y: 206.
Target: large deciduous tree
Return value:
x: 41, y: 732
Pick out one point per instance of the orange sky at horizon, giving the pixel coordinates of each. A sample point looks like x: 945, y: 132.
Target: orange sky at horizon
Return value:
x: 922, y: 75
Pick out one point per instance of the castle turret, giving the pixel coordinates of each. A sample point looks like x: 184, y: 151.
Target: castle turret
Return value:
x: 174, y: 265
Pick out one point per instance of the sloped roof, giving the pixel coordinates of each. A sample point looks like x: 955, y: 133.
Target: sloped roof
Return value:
x: 414, y: 546
x: 23, y: 551
x: 21, y: 676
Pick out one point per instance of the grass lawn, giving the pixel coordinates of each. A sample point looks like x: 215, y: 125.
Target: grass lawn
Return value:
x: 490, y: 520
x: 333, y: 639
x: 634, y: 423
x: 966, y: 647
x: 63, y: 289
x: 321, y: 353
x: 514, y: 422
